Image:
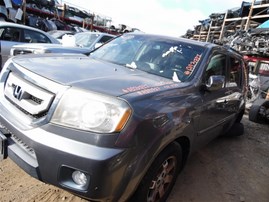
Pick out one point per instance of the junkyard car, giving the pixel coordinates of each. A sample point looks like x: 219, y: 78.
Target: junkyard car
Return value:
x: 259, y: 88
x: 58, y: 34
x: 12, y: 34
x: 119, y: 124
x: 85, y: 42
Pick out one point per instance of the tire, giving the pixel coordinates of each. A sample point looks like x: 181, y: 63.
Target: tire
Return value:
x: 254, y: 110
x: 161, y: 176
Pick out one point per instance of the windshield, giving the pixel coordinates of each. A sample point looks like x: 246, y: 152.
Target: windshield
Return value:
x: 168, y: 58
x: 85, y: 39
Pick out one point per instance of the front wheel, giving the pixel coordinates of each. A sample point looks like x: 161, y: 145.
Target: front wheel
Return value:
x: 161, y: 176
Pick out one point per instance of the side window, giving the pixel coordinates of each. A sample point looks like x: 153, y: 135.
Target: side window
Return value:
x: 235, y: 76
x: 10, y: 34
x: 35, y: 37
x: 216, y: 66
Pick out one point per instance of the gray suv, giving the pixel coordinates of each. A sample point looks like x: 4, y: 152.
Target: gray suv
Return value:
x: 120, y: 124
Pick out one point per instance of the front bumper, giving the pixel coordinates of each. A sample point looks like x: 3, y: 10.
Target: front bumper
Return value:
x: 53, y: 158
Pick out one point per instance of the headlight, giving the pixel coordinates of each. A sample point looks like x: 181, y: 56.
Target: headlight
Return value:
x: 91, y: 111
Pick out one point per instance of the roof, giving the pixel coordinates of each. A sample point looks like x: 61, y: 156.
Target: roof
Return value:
x: 11, y: 24
x: 189, y: 41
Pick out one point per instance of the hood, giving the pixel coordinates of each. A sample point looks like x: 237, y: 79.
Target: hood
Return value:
x: 49, y: 48
x: 37, y: 45
x: 86, y: 73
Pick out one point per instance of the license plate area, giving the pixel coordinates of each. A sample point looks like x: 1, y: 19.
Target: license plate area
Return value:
x: 3, y: 146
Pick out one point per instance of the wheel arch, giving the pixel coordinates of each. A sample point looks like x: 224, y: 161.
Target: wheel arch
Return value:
x: 183, y: 142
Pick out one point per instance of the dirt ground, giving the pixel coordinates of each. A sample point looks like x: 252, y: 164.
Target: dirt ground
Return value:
x: 228, y: 170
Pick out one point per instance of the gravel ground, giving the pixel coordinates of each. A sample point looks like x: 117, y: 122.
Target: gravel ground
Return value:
x: 228, y: 169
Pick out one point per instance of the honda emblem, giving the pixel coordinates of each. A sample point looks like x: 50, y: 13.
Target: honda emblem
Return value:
x: 18, y: 92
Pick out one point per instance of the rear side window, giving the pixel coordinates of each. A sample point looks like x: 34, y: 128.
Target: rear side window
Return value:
x: 35, y: 37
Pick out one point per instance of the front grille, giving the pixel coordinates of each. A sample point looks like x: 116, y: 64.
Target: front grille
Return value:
x: 35, y: 99
x: 27, y: 97
x: 40, y: 115
x: 20, y: 52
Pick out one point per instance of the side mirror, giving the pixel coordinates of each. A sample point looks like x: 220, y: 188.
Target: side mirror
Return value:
x: 215, y: 82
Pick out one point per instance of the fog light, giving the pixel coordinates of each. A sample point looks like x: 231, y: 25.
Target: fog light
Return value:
x: 79, y: 178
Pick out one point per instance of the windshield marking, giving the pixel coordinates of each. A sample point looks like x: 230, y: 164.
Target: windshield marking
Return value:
x: 192, y: 65
x: 145, y: 89
x: 172, y: 50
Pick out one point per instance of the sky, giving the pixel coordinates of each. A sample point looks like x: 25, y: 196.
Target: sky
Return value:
x: 166, y: 17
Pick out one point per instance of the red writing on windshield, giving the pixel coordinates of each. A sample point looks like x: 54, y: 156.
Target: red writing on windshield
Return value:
x: 193, y: 63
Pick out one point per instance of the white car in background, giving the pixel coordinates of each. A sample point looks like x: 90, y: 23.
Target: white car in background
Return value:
x: 58, y: 34
x: 83, y: 43
x: 13, y: 34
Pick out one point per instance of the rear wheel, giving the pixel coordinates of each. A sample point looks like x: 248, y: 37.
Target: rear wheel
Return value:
x: 161, y: 176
